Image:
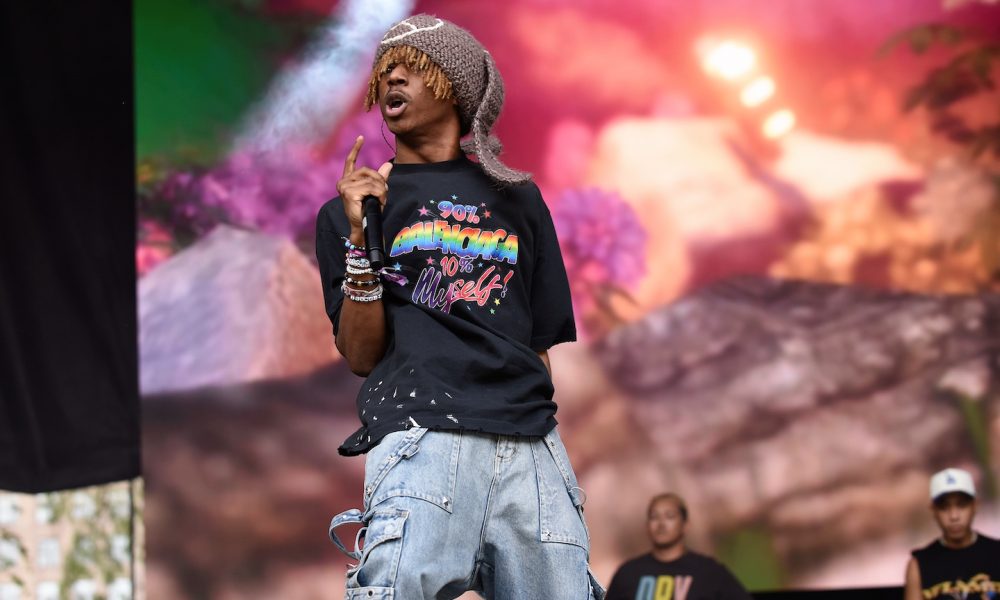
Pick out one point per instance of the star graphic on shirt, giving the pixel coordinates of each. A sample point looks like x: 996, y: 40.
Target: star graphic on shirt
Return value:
x: 496, y: 301
x: 454, y: 197
x: 480, y: 264
x: 493, y: 312
x: 486, y: 214
x: 430, y: 260
x: 423, y: 211
x: 397, y: 266
x: 432, y: 202
x: 483, y: 204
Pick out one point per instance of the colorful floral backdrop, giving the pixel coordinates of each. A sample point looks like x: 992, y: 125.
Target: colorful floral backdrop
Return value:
x: 780, y: 223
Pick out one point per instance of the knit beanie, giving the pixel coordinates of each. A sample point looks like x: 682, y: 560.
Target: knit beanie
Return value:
x: 475, y: 82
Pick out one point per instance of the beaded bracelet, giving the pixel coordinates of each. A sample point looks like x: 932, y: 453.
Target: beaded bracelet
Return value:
x: 353, y: 250
x: 358, y: 264
x: 365, y: 298
x: 362, y: 295
x: 363, y: 281
x: 357, y: 271
x: 356, y: 261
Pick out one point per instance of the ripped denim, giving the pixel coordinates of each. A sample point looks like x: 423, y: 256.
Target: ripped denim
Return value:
x: 451, y: 511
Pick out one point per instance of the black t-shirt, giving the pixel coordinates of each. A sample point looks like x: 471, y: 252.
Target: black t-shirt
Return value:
x: 693, y: 576
x: 477, y: 287
x: 968, y: 572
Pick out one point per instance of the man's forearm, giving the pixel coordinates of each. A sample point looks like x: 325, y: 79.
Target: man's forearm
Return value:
x: 361, y: 335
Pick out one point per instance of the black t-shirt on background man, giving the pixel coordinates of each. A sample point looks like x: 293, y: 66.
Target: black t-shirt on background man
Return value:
x: 967, y: 572
x: 693, y: 576
x: 465, y: 359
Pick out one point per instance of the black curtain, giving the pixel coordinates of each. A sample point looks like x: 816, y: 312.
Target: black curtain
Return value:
x: 69, y: 409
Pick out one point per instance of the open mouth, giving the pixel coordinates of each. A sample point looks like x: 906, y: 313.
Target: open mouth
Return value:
x: 395, y: 103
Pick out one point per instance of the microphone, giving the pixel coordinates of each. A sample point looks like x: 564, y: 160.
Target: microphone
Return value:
x: 371, y: 220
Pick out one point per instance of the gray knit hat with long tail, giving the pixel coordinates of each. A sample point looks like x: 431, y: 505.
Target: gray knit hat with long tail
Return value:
x: 475, y: 81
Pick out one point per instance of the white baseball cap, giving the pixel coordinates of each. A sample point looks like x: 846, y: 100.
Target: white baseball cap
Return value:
x: 952, y: 480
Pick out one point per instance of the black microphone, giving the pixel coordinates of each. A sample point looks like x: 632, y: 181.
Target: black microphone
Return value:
x: 371, y: 220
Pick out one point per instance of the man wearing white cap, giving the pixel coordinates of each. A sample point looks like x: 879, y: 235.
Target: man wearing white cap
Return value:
x: 961, y: 563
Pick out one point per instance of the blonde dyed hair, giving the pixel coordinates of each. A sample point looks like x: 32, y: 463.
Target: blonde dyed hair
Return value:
x: 416, y: 61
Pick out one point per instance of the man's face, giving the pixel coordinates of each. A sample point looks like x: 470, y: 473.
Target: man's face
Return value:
x: 954, y: 513
x: 409, y: 107
x: 665, y: 523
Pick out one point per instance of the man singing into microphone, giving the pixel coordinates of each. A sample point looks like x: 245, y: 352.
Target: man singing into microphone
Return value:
x: 467, y: 484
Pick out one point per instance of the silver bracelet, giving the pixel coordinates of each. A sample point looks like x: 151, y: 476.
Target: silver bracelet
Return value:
x: 357, y: 261
x: 348, y: 289
x: 359, y: 271
x: 364, y: 298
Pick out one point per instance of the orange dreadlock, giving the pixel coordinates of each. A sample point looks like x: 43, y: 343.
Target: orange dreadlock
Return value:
x: 415, y: 60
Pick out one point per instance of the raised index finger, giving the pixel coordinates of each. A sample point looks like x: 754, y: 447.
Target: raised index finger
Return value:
x: 353, y: 155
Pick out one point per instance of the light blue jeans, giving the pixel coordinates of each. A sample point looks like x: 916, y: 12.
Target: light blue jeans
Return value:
x: 451, y: 511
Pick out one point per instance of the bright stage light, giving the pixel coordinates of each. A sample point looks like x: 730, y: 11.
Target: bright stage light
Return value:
x: 757, y: 91
x: 778, y: 124
x: 729, y: 59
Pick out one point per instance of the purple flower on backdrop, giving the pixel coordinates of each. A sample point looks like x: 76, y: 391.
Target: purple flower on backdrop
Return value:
x: 169, y: 203
x: 602, y: 241
x: 278, y: 192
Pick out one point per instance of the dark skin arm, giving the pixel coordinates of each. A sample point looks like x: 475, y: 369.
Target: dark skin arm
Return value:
x: 912, y: 590
x: 361, y: 336
x: 544, y: 355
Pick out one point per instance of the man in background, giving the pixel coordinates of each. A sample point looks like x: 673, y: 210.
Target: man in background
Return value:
x: 670, y: 571
x: 961, y: 563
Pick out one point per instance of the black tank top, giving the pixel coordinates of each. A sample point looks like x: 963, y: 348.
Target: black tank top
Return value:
x: 970, y: 572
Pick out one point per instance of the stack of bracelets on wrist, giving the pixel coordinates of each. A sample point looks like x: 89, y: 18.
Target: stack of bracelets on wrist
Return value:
x: 360, y: 290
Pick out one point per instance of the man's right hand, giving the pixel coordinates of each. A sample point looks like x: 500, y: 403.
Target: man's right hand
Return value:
x: 358, y: 183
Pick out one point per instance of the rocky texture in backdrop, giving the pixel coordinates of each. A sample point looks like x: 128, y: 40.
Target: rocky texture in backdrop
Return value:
x: 815, y: 411
x: 811, y: 411
x: 237, y: 306
x: 241, y: 484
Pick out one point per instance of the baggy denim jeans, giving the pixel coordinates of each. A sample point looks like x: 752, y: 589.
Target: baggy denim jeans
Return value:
x: 451, y: 511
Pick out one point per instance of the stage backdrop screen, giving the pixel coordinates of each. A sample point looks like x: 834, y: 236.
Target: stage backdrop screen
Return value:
x: 780, y: 222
